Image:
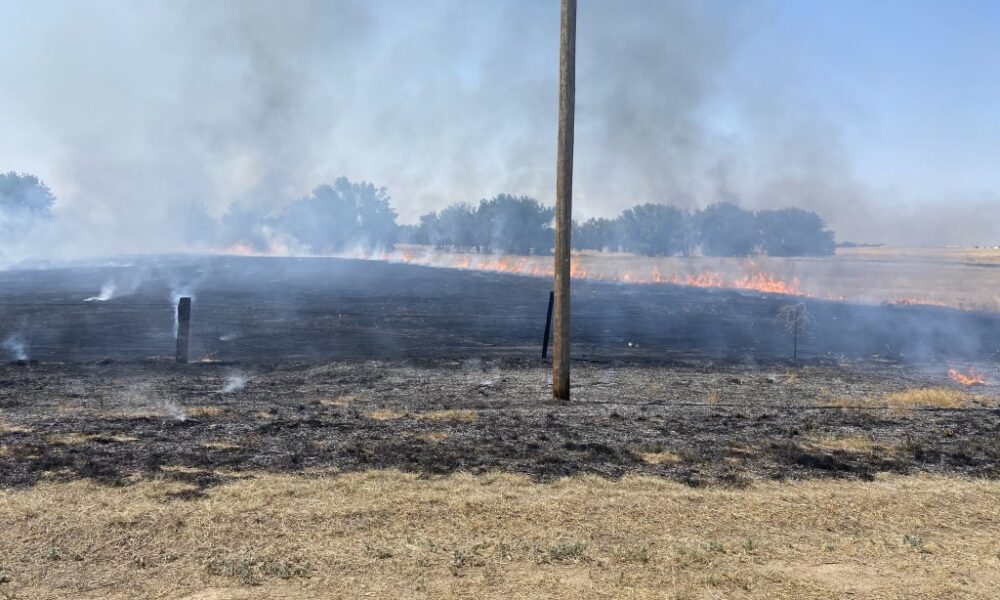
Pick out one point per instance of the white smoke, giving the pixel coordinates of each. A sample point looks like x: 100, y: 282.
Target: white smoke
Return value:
x: 15, y: 347
x: 234, y: 383
x: 142, y: 398
x: 175, y: 298
x: 107, y: 293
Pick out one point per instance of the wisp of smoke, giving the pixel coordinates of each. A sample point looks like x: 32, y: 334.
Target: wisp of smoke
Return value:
x: 234, y: 383
x: 107, y: 293
x: 175, y: 297
x: 15, y: 346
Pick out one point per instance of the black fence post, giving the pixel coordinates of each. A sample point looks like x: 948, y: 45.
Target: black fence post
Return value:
x: 183, y: 329
x: 548, y: 326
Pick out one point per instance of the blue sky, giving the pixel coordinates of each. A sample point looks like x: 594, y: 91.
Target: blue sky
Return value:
x: 884, y: 116
x: 912, y: 85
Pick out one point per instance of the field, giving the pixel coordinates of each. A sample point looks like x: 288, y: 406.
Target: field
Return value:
x: 365, y: 429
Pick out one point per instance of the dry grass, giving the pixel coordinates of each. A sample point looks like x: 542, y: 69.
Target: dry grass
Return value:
x: 466, y: 416
x: 342, y: 400
x: 206, y: 410
x: 386, y: 414
x: 860, y: 444
x: 906, y: 400
x: 71, y: 439
x: 220, y: 445
x: 24, y: 452
x: 659, y: 458
x: 391, y: 535
x: 8, y: 428
x: 434, y: 436
x: 928, y: 397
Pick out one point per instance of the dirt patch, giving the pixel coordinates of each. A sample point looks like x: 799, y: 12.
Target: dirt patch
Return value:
x: 841, y: 578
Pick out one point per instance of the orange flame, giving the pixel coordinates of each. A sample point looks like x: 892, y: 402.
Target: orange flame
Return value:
x: 970, y: 378
x: 751, y: 278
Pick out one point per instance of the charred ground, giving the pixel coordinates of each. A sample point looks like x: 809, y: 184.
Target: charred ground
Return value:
x: 352, y: 365
x: 279, y: 309
x: 696, y: 423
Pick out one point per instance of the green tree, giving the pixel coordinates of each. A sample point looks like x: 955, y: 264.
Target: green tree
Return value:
x: 725, y: 229
x: 794, y: 232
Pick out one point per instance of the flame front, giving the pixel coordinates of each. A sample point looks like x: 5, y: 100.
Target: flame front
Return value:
x: 746, y: 276
x: 970, y: 378
x: 752, y: 278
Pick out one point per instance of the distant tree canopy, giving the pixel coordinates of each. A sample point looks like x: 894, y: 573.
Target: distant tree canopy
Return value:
x: 24, y: 200
x: 341, y: 216
x: 333, y: 218
x: 722, y: 229
x: 725, y: 229
x: 502, y: 224
x: 794, y: 232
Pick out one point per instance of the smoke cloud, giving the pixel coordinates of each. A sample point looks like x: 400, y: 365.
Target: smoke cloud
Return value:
x: 149, y: 120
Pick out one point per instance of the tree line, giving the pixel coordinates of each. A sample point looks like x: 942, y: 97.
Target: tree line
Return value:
x: 522, y: 225
x: 347, y: 215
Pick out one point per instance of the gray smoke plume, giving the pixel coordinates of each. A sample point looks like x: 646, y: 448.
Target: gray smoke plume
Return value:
x: 149, y: 120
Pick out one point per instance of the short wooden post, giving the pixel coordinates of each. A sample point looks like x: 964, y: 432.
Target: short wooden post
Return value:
x: 183, y: 329
x: 548, y: 326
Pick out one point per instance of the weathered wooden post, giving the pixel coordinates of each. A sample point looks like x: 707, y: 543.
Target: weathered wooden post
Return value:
x: 564, y: 200
x: 183, y: 328
x: 548, y: 326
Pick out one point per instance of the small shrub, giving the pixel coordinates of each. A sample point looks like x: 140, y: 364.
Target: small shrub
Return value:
x: 250, y: 570
x: 559, y: 553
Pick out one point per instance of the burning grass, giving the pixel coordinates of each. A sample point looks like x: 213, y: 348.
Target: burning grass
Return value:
x: 384, y: 534
x: 972, y: 377
x: 847, y: 276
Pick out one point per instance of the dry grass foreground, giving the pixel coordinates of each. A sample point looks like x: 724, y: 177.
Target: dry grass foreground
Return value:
x: 386, y: 534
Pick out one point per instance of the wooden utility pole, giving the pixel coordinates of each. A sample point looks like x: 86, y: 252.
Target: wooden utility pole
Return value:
x: 564, y: 201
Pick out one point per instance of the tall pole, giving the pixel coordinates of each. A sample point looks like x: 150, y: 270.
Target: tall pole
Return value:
x: 564, y: 201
